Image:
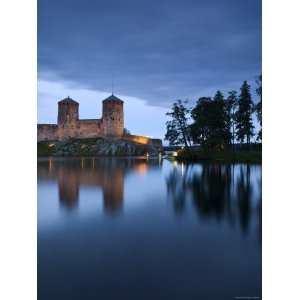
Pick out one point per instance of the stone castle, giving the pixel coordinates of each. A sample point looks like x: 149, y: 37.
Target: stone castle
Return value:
x: 69, y: 126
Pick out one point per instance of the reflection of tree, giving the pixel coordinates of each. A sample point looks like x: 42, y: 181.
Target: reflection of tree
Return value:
x: 259, y: 210
x: 210, y: 190
x: 177, y: 186
x: 244, y: 192
x: 216, y: 192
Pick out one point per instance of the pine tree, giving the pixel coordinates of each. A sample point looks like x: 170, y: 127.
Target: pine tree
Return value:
x: 258, y: 106
x: 222, y: 119
x: 243, y: 116
x: 231, y: 104
x: 210, y: 127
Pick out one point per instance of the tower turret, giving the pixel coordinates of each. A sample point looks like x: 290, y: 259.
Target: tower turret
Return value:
x: 67, y: 119
x: 113, y: 116
x: 67, y: 111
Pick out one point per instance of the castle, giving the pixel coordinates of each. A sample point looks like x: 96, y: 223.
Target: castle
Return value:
x: 69, y: 126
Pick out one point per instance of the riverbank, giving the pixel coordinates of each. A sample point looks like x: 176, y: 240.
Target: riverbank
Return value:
x: 226, y: 156
x: 96, y: 147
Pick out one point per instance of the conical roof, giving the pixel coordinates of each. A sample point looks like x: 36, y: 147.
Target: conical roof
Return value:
x: 112, y: 97
x: 68, y: 100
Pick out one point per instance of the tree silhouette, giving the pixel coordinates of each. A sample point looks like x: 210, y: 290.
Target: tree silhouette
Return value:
x: 211, y: 122
x: 258, y: 106
x: 178, y: 131
x: 231, y: 105
x: 243, y: 116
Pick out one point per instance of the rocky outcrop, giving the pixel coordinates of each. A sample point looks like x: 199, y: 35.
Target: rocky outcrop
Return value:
x: 96, y: 147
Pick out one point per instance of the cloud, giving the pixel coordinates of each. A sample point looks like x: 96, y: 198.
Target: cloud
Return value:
x: 158, y: 51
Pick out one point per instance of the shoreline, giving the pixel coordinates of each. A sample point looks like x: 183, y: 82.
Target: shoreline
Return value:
x: 225, y: 156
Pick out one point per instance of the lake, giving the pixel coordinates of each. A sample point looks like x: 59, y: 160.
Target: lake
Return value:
x: 117, y: 228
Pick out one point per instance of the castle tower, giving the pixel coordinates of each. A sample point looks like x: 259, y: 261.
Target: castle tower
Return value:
x: 67, y: 118
x: 112, y: 116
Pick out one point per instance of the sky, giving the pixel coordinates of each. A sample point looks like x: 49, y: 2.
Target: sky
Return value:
x: 156, y: 51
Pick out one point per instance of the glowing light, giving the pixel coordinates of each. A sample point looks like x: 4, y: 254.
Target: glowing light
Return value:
x: 139, y: 139
x: 141, y: 168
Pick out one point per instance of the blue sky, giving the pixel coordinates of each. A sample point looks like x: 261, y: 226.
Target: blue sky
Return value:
x: 158, y: 51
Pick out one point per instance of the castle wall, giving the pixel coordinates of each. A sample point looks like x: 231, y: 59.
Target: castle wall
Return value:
x: 90, y: 128
x: 47, y: 132
x: 67, y: 130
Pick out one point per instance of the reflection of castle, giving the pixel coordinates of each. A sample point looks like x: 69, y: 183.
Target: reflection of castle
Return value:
x: 106, y: 173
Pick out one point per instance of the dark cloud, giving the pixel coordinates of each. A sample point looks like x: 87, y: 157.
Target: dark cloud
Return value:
x: 158, y: 50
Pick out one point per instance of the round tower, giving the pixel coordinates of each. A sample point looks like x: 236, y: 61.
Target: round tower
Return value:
x: 67, y: 118
x: 113, y: 116
x: 67, y: 111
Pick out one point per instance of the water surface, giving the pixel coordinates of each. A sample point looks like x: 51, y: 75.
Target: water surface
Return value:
x: 148, y: 229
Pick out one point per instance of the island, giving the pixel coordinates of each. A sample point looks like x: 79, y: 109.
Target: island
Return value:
x: 105, y: 136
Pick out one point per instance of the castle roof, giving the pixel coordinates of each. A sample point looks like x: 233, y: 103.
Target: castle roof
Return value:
x: 113, y: 98
x: 68, y: 100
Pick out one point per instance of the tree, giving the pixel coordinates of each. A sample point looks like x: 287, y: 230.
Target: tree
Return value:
x: 258, y: 106
x: 178, y: 131
x: 231, y: 104
x: 210, y: 128
x: 243, y: 116
x: 126, y: 131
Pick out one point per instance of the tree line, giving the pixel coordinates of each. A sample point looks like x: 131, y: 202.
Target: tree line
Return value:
x: 216, y: 122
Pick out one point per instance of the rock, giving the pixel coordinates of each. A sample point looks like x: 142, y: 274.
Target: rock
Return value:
x: 96, y: 147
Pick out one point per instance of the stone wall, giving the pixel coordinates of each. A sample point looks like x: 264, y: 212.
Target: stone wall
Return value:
x: 47, y: 132
x: 90, y: 128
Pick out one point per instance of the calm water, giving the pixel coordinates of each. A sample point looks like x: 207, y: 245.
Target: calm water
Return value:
x: 148, y: 229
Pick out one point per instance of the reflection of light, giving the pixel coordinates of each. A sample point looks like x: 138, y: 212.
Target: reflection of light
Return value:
x: 50, y: 145
x: 141, y: 168
x: 182, y: 169
x: 175, y: 163
x: 50, y: 164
